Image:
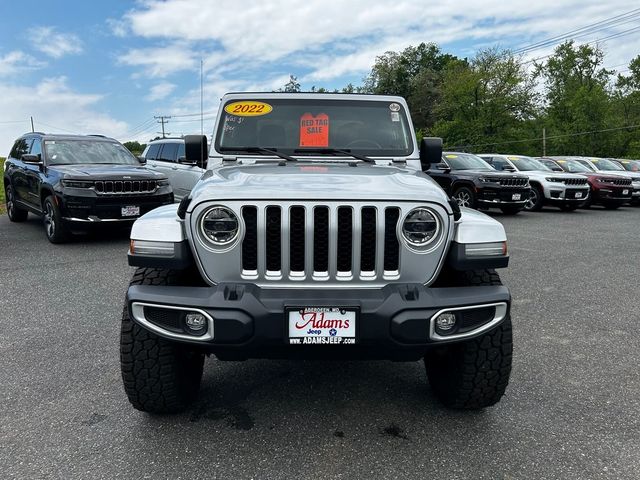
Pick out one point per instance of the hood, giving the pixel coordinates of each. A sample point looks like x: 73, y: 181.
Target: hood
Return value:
x: 107, y: 172
x: 543, y: 174
x: 317, y: 181
x: 488, y: 173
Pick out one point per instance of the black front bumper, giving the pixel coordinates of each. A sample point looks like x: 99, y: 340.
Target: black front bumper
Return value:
x: 500, y: 196
x: 250, y: 322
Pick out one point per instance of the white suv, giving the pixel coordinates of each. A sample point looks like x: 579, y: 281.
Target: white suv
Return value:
x: 167, y: 156
x: 563, y: 190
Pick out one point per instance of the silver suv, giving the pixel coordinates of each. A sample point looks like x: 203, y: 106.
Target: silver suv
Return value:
x: 315, y: 233
x: 167, y: 156
x: 563, y: 190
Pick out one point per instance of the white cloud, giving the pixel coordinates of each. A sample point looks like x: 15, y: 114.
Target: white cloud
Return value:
x: 119, y: 28
x: 53, y: 43
x: 161, y: 61
x: 336, y: 38
x: 160, y: 91
x: 55, y: 108
x: 18, y: 61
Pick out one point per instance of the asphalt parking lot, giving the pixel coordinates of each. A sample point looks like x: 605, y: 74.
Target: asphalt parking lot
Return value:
x: 571, y: 409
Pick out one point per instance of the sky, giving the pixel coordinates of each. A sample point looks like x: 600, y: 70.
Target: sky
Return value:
x: 109, y: 67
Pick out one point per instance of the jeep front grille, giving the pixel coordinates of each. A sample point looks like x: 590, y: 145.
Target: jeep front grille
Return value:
x: 513, y: 182
x: 119, y: 187
x: 626, y: 182
x: 320, y: 242
x: 574, y: 181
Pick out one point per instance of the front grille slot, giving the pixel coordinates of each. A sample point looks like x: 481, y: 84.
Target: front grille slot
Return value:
x: 368, y: 248
x: 345, y: 239
x: 391, y: 246
x: 273, y: 239
x: 296, y: 239
x: 119, y: 187
x: 321, y: 242
x: 513, y: 182
x: 321, y: 239
x: 250, y: 243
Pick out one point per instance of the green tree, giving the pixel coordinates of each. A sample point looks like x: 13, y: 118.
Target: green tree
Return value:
x: 576, y: 100
x: 292, y: 85
x: 135, y: 147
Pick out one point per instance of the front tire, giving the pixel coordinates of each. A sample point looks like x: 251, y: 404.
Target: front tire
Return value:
x: 511, y: 210
x: 159, y: 376
x: 53, y: 224
x: 465, y: 197
x: 568, y: 207
x: 14, y: 213
x: 536, y: 199
x: 472, y: 374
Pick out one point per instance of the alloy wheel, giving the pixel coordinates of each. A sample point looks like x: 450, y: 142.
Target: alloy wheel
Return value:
x: 463, y: 199
x: 10, y: 202
x: 49, y: 220
x: 532, y: 200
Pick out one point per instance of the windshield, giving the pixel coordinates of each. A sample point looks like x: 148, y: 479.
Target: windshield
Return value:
x: 630, y: 165
x: 573, y: 166
x: 466, y: 161
x: 76, y: 152
x: 527, y: 164
x: 607, y: 165
x: 315, y: 126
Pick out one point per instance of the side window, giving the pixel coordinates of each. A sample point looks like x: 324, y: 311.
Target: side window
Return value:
x: 152, y: 152
x: 169, y: 152
x: 181, y: 150
x: 36, y: 147
x: 489, y: 160
x: 21, y: 147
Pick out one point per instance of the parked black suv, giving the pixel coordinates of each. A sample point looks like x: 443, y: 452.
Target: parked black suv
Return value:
x: 474, y: 183
x: 76, y: 182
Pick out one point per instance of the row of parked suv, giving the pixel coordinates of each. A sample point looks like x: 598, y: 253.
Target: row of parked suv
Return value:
x: 77, y: 182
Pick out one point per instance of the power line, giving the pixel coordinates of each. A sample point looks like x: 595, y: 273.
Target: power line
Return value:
x: 548, y: 137
x: 163, y: 119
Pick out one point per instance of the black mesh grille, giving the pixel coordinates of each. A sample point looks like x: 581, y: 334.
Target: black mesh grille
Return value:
x: 250, y: 243
x: 513, y: 182
x: 321, y: 239
x: 296, y: 239
x: 165, y: 318
x: 368, y: 248
x: 345, y: 238
x: 273, y: 239
x: 474, y: 318
x: 125, y: 186
x: 391, y: 246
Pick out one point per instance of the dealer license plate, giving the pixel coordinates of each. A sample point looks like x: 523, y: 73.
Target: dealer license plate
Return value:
x: 516, y: 196
x: 625, y: 192
x: 322, y: 326
x: 578, y: 194
x: 130, y: 211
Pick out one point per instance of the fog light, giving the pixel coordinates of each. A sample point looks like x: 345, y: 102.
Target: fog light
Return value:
x: 196, y: 323
x: 445, y: 323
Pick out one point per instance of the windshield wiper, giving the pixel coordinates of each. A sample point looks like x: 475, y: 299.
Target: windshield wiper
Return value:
x: 270, y: 151
x: 333, y: 151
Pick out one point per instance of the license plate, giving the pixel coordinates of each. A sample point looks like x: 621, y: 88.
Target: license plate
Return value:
x: 625, y: 192
x: 130, y: 211
x: 516, y: 196
x: 578, y: 194
x: 322, y: 326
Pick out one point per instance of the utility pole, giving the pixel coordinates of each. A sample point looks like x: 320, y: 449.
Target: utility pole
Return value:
x: 163, y: 119
x: 32, y: 129
x: 544, y: 142
x: 201, y: 97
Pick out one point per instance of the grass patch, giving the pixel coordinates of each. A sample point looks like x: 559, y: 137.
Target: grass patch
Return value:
x: 2, y: 206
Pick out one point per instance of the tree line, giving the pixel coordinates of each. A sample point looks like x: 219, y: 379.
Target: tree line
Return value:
x: 499, y: 102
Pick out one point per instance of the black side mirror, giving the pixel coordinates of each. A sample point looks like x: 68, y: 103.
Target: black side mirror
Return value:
x: 430, y: 152
x: 443, y: 167
x: 31, y: 159
x: 184, y: 161
x: 196, y: 150
x: 508, y: 168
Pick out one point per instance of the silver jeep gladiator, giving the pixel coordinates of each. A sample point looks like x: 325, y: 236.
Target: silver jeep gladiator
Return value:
x: 314, y: 233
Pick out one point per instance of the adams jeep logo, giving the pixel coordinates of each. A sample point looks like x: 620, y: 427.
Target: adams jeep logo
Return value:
x: 318, y: 320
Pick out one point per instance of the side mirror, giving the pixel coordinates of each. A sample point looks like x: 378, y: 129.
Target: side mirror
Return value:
x: 430, y: 152
x: 30, y: 159
x: 184, y: 161
x: 142, y: 160
x: 508, y: 168
x: 196, y: 150
x: 443, y: 167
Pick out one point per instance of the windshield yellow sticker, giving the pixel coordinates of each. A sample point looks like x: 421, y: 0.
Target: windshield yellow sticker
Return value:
x: 451, y: 156
x: 513, y: 158
x: 248, y: 108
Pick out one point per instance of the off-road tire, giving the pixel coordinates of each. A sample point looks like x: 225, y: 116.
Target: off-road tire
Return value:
x: 511, y: 210
x: 54, y: 226
x: 15, y: 213
x: 159, y: 376
x: 472, y: 374
x: 465, y: 197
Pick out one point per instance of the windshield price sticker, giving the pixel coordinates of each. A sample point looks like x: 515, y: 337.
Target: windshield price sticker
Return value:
x: 314, y: 131
x: 322, y: 326
x: 248, y: 108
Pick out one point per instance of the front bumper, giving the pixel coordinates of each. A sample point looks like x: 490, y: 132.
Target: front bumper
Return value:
x: 246, y: 321
x: 498, y: 196
x: 609, y: 192
x: 570, y: 194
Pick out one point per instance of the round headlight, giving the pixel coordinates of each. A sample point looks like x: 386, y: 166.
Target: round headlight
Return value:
x: 219, y: 225
x: 420, y: 227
